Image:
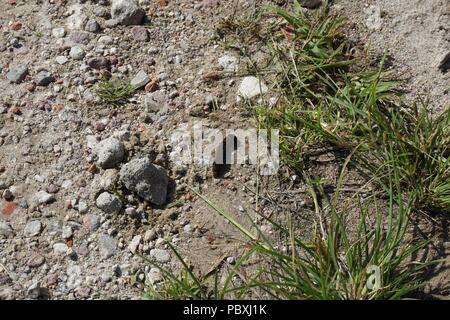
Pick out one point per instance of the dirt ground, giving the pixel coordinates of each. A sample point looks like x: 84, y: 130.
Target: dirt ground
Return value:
x: 48, y: 135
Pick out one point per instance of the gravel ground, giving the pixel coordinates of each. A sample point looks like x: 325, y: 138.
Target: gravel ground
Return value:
x: 84, y: 186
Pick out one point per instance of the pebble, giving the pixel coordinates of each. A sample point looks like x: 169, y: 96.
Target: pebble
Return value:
x: 149, y: 181
x: 127, y: 12
x: 310, y: 4
x: 17, y: 73
x: 36, y: 260
x: 61, y: 60
x: 107, y: 246
x: 32, y: 228
x: 44, y: 197
x: 140, y: 79
x: 160, y: 255
x: 109, y: 203
x: 110, y: 153
x: 76, y: 53
x: 251, y: 87
x: 134, y: 244
x: 139, y: 33
x: 43, y: 78
x: 229, y: 63
x: 59, y: 32
x: 92, y: 26
x: 60, y: 248
x: 92, y: 222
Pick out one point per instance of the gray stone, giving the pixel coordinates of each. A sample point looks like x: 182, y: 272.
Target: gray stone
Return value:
x: 91, y: 221
x: 76, y: 53
x: 82, y: 207
x: 147, y: 180
x: 110, y: 153
x: 5, y: 230
x: 251, y: 87
x: 17, y: 73
x: 67, y: 232
x: 61, y: 60
x: 36, y: 260
x: 32, y: 228
x: 109, y: 203
x: 60, y: 248
x: 310, y: 4
x: 99, y: 63
x: 140, y: 79
x: 139, y: 33
x: 160, y: 255
x: 92, y: 26
x: 43, y: 197
x: 107, y: 246
x: 105, y: 40
x: 127, y: 12
x: 154, y: 276
x: 134, y: 244
x: 229, y: 63
x: 59, y: 32
x: 43, y: 78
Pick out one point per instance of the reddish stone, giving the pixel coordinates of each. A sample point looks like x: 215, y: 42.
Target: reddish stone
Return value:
x: 152, y: 86
x: 8, y: 208
x: 16, y: 26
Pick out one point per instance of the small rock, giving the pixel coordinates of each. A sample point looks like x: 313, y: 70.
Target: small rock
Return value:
x: 36, y: 260
x: 67, y: 232
x: 17, y: 74
x: 61, y: 60
x: 229, y: 63
x: 5, y: 230
x: 82, y: 207
x: 110, y: 153
x: 149, y: 181
x: 34, y: 291
x: 76, y: 53
x: 127, y: 12
x: 310, y: 4
x: 134, y: 244
x: 92, y: 26
x: 91, y: 221
x: 374, y: 20
x: 43, y: 78
x: 154, y: 276
x: 105, y: 40
x: 99, y: 63
x: 107, y: 246
x: 160, y: 255
x: 60, y: 248
x: 7, y: 195
x: 109, y: 203
x: 251, y: 87
x: 139, y: 33
x: 43, y: 197
x: 59, y: 32
x: 32, y: 228
x: 140, y: 80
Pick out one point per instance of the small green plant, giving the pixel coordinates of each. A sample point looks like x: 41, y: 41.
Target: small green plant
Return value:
x: 368, y: 261
x: 114, y: 91
x: 333, y: 99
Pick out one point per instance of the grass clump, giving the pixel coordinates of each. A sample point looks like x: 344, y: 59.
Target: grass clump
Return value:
x: 370, y: 260
x: 333, y: 99
x: 114, y: 91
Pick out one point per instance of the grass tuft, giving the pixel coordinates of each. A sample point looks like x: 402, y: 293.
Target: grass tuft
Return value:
x: 114, y: 91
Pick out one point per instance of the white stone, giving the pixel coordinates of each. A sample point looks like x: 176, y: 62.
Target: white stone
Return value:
x: 251, y: 87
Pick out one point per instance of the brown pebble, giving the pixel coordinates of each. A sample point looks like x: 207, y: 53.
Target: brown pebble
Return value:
x: 15, y: 110
x: 152, y: 86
